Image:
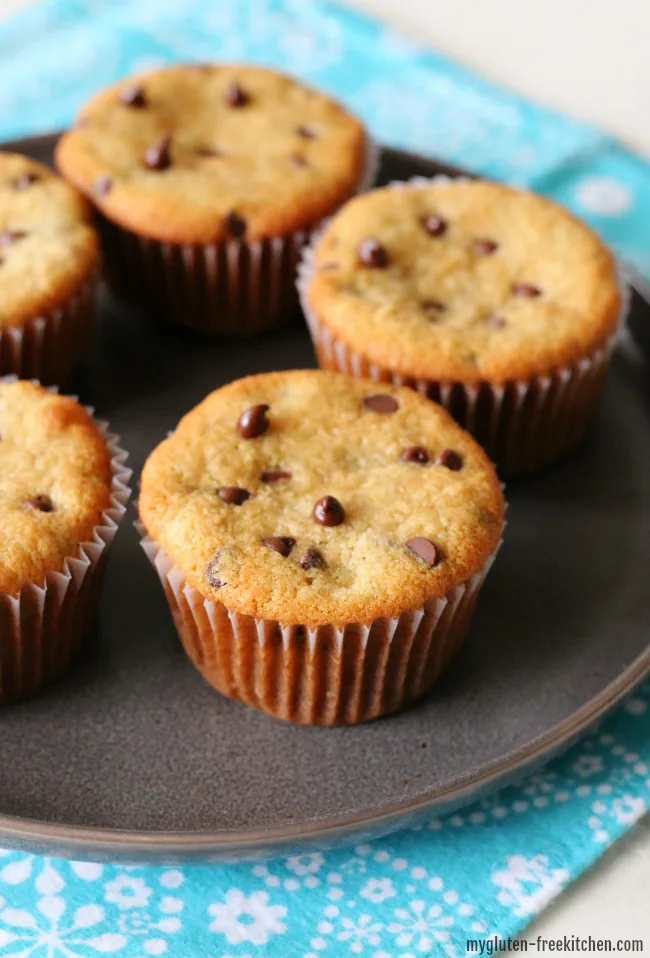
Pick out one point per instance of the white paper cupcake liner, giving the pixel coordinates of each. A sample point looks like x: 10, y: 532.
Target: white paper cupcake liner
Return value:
x: 327, y: 675
x: 47, y: 348
x: 43, y: 627
x: 233, y: 288
x: 521, y: 424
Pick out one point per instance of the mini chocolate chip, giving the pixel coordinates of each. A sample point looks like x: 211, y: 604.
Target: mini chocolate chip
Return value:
x: 330, y: 264
x: 133, y: 96
x: 253, y: 422
x: 433, y: 305
x: 233, y: 495
x: 527, y: 290
x: 11, y: 236
x: 42, y: 503
x: 281, y: 544
x: 235, y: 96
x: 496, y: 322
x: 424, y: 549
x: 451, y: 459
x: 381, y: 403
x: 312, y: 559
x: 235, y: 224
x: 298, y: 160
x: 328, y: 511
x: 212, y: 573
x: 274, y: 475
x: 208, y: 151
x: 372, y: 253
x: 434, y: 225
x: 305, y: 132
x: 102, y: 186
x: 158, y: 157
x: 25, y: 180
x: 485, y: 247
x: 415, y: 454
x: 2, y: 259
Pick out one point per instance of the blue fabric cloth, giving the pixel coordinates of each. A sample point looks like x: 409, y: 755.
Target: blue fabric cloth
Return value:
x: 488, y: 869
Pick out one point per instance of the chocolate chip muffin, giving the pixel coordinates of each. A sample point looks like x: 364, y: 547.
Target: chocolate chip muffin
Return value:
x: 62, y: 494
x: 208, y: 180
x: 321, y: 541
x: 495, y: 302
x: 48, y: 266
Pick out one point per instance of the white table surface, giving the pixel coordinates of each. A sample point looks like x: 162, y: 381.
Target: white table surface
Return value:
x: 591, y: 59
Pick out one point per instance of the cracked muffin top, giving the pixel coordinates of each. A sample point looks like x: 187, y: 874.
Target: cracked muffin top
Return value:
x: 312, y: 497
x: 47, y: 245
x: 463, y: 281
x: 55, y: 482
x: 198, y: 153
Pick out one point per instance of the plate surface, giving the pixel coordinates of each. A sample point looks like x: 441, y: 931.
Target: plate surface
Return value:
x: 133, y: 757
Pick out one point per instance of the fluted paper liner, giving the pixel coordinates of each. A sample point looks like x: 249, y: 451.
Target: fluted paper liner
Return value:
x: 521, y: 424
x: 43, y: 627
x: 326, y: 675
x: 47, y: 348
x: 232, y: 288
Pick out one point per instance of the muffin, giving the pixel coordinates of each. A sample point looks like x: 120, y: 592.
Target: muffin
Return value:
x: 48, y: 271
x: 495, y: 302
x: 62, y: 493
x: 208, y: 180
x: 321, y: 541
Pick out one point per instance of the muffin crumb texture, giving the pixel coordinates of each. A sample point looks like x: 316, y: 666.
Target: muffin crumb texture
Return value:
x: 355, y: 501
x: 54, y: 482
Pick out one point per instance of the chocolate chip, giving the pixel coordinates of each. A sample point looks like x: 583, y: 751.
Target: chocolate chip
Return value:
x: 424, y: 549
x: 328, y: 511
x: 312, y: 559
x: 42, y: 503
x: 208, y: 151
x: 415, y: 454
x: 25, y: 180
x: 433, y: 305
x: 451, y: 459
x: 212, y: 573
x: 330, y: 264
x: 485, y: 247
x: 233, y: 495
x: 381, y: 403
x: 158, y: 157
x: 434, y: 225
x: 235, y: 96
x: 102, y: 186
x: 305, y: 132
x: 527, y: 290
x: 274, y: 475
x: 11, y: 236
x: 253, y: 422
x: 281, y: 544
x: 235, y: 224
x: 373, y: 254
x: 496, y: 322
x: 133, y: 96
x: 298, y: 160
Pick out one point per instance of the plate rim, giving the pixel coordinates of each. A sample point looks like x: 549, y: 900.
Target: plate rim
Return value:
x: 19, y: 832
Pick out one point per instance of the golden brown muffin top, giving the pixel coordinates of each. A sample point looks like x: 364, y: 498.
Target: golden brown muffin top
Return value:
x: 55, y: 482
x: 464, y: 281
x: 312, y: 497
x: 47, y: 247
x: 200, y: 153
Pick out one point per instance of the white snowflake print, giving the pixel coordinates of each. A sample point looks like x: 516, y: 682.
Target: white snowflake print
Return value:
x: 357, y: 934
x: 625, y: 810
x: 421, y: 927
x: 52, y: 929
x: 127, y: 892
x: 303, y: 865
x: 377, y: 890
x: 588, y: 765
x: 603, y: 196
x: 250, y: 919
x: 21, y: 869
x: 528, y: 884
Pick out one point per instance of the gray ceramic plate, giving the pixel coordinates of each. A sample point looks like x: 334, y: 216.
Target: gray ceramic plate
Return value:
x: 133, y: 757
